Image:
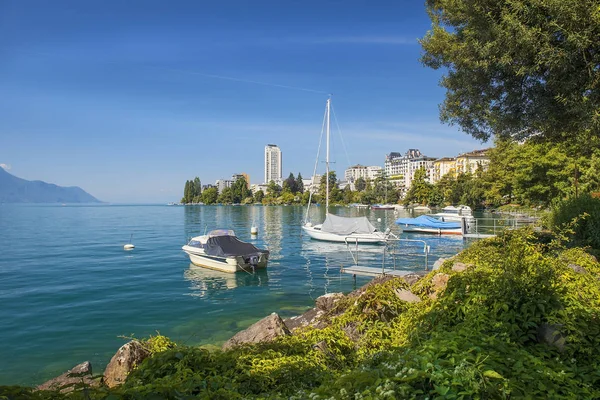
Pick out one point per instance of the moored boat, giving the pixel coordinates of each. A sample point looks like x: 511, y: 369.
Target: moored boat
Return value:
x: 428, y: 224
x: 221, y: 250
x: 451, y: 213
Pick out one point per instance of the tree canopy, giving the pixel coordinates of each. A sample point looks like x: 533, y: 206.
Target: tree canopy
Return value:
x: 517, y: 68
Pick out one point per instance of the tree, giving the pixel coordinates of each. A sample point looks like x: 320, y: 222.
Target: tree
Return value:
x: 420, y: 190
x: 299, y: 183
x: 360, y: 184
x: 291, y: 183
x: 258, y: 196
x: 240, y: 190
x: 226, y: 196
x: 273, y: 190
x: 517, y: 68
x: 210, y: 195
x: 334, y: 191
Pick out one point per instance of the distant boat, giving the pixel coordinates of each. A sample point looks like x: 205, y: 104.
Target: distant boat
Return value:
x: 383, y: 207
x: 336, y: 228
x: 221, y: 250
x: 451, y: 213
x: 428, y: 224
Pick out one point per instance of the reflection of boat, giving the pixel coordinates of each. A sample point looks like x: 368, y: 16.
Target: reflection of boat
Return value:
x: 452, y: 213
x: 205, y: 279
x: 428, y: 224
x: 340, y: 229
x: 222, y: 250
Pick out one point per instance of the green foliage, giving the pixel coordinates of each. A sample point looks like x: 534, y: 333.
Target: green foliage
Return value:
x: 517, y: 68
x: 210, y: 195
x: 420, y: 190
x: 579, y: 218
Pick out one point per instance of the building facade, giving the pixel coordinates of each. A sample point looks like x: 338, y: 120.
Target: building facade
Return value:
x: 273, y: 164
x: 470, y: 162
x: 361, y: 171
x: 443, y: 166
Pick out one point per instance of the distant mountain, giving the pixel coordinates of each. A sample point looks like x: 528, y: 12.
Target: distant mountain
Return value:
x: 17, y: 190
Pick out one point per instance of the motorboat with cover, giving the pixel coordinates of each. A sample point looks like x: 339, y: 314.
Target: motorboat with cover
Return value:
x: 221, y: 250
x: 451, y: 213
x: 428, y: 224
x: 336, y: 228
x: 345, y: 229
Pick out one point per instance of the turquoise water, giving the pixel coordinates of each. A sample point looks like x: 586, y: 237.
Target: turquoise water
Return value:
x: 68, y: 290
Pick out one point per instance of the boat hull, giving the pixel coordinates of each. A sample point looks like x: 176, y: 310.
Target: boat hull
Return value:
x: 432, y: 231
x: 318, y: 234
x: 224, y: 264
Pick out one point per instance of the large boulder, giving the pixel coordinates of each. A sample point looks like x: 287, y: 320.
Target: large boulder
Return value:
x: 327, y: 301
x: 308, y: 318
x: 438, y: 284
x: 550, y: 335
x: 265, y: 330
x: 123, y: 362
x: 78, y: 376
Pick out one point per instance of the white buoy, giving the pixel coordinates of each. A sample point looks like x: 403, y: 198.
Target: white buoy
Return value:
x: 378, y: 219
x: 129, y: 246
x: 254, y: 230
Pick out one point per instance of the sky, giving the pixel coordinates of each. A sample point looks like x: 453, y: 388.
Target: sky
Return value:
x: 129, y: 99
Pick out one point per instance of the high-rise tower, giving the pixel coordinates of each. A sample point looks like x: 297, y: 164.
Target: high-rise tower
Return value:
x: 273, y: 166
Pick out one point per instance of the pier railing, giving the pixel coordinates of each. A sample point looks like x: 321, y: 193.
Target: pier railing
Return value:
x: 487, y: 227
x: 414, y: 250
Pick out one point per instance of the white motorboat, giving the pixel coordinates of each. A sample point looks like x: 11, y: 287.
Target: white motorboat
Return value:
x: 451, y: 213
x: 336, y: 228
x: 221, y: 250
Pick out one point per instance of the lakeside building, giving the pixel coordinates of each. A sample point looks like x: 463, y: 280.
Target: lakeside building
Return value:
x: 255, y: 187
x: 221, y: 184
x: 244, y: 175
x: 361, y: 171
x: 312, y: 184
x: 470, y: 162
x: 273, y: 164
x: 443, y: 166
x: 207, y: 186
x: 400, y: 168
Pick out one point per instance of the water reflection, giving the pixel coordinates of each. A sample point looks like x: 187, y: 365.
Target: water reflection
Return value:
x: 205, y: 282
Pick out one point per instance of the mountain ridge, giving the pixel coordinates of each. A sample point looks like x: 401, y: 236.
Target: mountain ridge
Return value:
x: 17, y: 190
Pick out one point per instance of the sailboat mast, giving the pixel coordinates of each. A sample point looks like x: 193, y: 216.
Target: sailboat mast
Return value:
x: 327, y: 159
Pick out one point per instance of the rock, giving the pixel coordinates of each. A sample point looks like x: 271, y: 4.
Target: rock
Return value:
x: 578, y: 268
x: 78, y: 375
x: 459, y: 267
x: 327, y: 301
x: 308, y: 318
x: 412, y: 278
x: 550, y: 334
x: 123, y: 362
x: 438, y: 283
x: 438, y: 263
x: 264, y: 330
x: 407, y: 295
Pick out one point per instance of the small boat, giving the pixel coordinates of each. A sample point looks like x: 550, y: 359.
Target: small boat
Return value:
x: 421, y: 209
x: 428, y: 224
x: 451, y: 213
x: 383, y: 207
x: 221, y: 250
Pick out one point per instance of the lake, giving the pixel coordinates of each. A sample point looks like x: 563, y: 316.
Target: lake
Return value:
x: 70, y: 293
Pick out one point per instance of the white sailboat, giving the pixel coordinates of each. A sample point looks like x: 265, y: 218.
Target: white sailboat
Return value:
x: 341, y: 229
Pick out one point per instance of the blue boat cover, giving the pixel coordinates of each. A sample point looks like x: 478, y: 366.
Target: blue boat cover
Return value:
x: 426, y: 221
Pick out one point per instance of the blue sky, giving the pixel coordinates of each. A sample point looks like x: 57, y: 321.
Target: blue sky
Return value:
x: 129, y: 99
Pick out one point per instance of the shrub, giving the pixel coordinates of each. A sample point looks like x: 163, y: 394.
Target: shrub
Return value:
x: 579, y: 219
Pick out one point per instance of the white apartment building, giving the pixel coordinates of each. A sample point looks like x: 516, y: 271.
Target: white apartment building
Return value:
x: 221, y: 184
x: 469, y: 162
x: 273, y: 165
x: 361, y: 171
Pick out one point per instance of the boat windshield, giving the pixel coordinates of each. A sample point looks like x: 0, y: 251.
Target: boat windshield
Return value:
x: 195, y: 243
x: 221, y: 232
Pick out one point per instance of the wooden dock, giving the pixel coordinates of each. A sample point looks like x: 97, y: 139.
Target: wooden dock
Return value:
x: 373, y: 271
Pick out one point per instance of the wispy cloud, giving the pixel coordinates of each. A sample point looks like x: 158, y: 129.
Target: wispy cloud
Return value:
x: 368, y: 39
x: 5, y: 167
